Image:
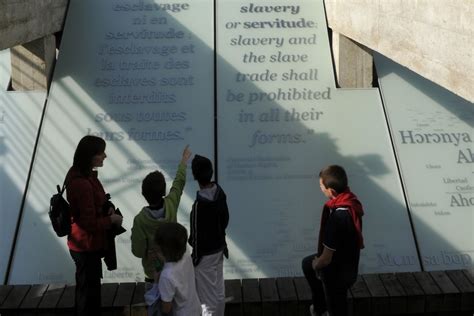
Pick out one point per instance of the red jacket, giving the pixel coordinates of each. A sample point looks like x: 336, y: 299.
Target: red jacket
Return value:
x: 86, y: 197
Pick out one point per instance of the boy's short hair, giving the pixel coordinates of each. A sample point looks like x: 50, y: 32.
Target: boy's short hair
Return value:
x: 154, y: 187
x: 202, y: 169
x: 172, y: 239
x: 334, y: 177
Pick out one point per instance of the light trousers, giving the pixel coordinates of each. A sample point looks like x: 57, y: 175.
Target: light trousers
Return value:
x: 210, y: 284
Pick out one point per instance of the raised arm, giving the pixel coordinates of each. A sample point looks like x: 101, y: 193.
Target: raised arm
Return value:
x: 186, y: 155
x: 180, y: 179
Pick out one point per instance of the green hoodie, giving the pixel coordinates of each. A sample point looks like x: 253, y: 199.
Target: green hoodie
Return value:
x: 145, y: 225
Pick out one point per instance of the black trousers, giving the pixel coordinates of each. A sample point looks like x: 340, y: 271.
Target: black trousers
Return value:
x: 88, y: 275
x: 326, y: 294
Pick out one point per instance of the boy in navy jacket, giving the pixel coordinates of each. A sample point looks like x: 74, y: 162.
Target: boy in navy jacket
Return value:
x: 208, y: 220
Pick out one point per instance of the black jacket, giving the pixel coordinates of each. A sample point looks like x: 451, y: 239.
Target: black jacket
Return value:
x: 208, y: 220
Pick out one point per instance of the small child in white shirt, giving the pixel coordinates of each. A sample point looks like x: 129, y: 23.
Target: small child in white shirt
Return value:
x: 176, y: 282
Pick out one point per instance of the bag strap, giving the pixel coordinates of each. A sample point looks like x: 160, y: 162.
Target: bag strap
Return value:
x: 61, y: 190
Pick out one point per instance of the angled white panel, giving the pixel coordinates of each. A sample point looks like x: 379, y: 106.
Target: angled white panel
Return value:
x: 20, y: 115
x: 140, y: 76
x: 433, y: 132
x: 5, y: 69
x: 280, y: 120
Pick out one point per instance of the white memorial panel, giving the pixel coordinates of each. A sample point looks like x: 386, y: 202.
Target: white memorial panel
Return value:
x: 20, y: 115
x: 138, y: 73
x: 5, y: 69
x: 433, y: 133
x: 280, y: 120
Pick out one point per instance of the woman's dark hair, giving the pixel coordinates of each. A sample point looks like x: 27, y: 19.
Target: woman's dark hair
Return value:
x: 171, y: 238
x: 154, y: 188
x: 88, y: 147
x: 334, y: 177
x: 202, y: 169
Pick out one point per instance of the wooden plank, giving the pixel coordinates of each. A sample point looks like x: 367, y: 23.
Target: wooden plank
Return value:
x: 303, y: 292
x: 415, y: 295
x: 269, y: 296
x: 398, y: 297
x: 108, y: 293
x: 252, y: 302
x: 138, y: 305
x: 288, y: 298
x: 123, y: 299
x: 361, y: 298
x: 34, y: 296
x: 450, y: 313
x: 433, y: 294
x: 15, y: 297
x: 469, y: 274
x: 66, y: 303
x: 50, y: 300
x: 465, y: 286
x: 380, y: 299
x: 4, y: 291
x: 31, y: 300
x: 233, y: 293
x: 451, y: 295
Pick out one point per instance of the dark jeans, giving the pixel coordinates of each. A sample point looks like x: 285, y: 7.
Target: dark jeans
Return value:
x: 88, y: 275
x: 326, y: 295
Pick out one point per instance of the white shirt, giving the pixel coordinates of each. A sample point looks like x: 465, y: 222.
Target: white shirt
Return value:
x: 177, y: 285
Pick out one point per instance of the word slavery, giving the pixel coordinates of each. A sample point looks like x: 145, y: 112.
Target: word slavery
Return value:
x: 252, y: 8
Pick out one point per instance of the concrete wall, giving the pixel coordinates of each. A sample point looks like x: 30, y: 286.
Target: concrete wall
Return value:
x: 434, y: 38
x: 353, y: 63
x: 22, y: 21
x: 32, y: 64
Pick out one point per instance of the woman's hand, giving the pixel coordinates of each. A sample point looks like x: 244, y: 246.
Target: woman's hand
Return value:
x: 116, y: 219
x: 111, y: 211
x: 315, y: 262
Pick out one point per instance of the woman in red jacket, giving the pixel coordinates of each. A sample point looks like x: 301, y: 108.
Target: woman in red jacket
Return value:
x: 87, y: 240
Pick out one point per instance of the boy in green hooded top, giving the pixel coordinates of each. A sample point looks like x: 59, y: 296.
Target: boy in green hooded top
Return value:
x: 160, y: 209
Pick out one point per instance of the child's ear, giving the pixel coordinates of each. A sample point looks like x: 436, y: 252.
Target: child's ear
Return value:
x: 333, y: 193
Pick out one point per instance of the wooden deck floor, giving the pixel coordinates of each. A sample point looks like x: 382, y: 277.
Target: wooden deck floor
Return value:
x: 439, y: 293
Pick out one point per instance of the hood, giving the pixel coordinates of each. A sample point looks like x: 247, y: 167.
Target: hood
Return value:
x: 148, y: 217
x: 211, y: 194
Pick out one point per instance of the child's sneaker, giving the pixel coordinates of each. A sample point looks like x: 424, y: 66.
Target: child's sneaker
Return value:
x: 312, y: 312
